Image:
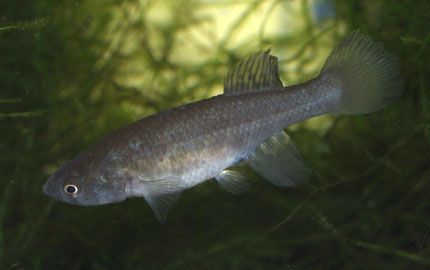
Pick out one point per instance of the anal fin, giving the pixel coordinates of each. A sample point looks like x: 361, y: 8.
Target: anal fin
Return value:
x: 278, y: 160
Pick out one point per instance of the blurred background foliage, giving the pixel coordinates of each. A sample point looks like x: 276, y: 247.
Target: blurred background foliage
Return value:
x: 72, y: 71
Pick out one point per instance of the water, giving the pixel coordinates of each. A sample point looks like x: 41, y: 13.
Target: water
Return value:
x: 73, y: 71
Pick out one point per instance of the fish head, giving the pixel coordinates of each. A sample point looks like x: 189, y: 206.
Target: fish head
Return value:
x: 79, y: 182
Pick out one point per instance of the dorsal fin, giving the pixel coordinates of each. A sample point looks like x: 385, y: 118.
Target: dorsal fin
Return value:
x: 257, y: 73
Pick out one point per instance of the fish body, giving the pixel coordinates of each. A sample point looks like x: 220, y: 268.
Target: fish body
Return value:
x: 159, y: 156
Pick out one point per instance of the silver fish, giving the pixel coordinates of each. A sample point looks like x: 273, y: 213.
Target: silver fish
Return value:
x: 159, y: 156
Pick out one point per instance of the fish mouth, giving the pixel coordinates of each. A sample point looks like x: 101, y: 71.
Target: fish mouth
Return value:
x: 45, y: 188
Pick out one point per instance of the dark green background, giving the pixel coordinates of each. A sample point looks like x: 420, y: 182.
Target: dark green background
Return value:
x: 367, y: 205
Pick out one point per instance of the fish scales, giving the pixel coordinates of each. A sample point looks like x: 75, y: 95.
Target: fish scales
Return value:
x: 209, y: 135
x: 161, y: 155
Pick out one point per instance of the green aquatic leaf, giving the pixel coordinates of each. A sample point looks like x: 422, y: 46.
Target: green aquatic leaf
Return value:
x: 26, y: 25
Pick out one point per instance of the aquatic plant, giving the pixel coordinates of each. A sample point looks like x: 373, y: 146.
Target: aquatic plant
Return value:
x: 100, y: 65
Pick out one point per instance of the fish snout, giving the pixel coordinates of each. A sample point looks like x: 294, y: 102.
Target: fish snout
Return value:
x: 45, y: 188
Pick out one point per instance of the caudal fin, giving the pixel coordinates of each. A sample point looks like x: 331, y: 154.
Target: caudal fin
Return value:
x: 368, y: 75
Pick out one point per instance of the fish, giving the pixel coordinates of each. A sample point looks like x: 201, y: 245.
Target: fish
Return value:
x: 161, y: 155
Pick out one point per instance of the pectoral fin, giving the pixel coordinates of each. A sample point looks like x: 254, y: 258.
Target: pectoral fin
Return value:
x: 161, y: 204
x: 161, y: 195
x: 278, y: 160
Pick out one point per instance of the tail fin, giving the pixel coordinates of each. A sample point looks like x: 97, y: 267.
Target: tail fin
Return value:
x: 368, y: 74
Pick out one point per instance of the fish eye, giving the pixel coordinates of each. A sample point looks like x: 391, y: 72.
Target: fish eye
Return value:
x: 70, y: 189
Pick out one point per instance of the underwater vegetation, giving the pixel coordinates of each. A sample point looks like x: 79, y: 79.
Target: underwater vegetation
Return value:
x: 73, y: 71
